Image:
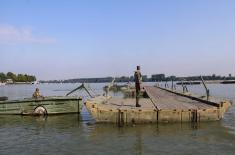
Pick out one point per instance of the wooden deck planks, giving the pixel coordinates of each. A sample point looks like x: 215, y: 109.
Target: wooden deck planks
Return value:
x: 129, y: 103
x: 165, y: 100
x: 162, y: 106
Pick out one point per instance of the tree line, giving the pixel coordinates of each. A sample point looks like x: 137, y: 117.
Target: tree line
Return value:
x: 153, y: 78
x: 17, y: 77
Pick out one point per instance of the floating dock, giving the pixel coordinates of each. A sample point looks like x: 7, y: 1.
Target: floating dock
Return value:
x: 161, y: 105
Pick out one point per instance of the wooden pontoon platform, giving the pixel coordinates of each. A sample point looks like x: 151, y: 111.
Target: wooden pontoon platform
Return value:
x: 162, y: 105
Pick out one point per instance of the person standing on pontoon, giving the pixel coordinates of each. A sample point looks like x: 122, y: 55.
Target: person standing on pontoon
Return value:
x: 138, y: 81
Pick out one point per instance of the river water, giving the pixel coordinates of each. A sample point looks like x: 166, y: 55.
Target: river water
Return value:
x: 78, y: 134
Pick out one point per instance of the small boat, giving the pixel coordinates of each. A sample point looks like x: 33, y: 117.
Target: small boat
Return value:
x: 42, y: 106
x: 189, y: 83
x: 3, y: 98
x: 116, y: 87
x: 228, y: 82
x: 34, y: 82
x: 2, y: 84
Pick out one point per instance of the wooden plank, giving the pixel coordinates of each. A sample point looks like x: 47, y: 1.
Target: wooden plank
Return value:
x: 165, y: 100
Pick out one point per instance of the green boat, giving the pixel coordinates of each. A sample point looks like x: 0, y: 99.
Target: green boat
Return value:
x: 42, y: 106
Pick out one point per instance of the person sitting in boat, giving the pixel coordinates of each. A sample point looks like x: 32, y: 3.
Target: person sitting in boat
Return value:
x: 36, y: 94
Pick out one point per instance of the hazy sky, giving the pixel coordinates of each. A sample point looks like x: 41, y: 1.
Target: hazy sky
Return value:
x: 61, y: 39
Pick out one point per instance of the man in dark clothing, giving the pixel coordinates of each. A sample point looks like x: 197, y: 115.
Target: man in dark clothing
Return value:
x: 138, y: 80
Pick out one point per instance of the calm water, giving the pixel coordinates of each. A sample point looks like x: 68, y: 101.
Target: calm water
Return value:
x: 78, y: 134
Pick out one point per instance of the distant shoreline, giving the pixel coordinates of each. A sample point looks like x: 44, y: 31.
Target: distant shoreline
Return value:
x: 154, y: 78
x: 187, y: 82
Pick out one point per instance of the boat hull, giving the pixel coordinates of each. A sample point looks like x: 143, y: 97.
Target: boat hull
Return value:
x: 48, y: 106
x: 162, y: 106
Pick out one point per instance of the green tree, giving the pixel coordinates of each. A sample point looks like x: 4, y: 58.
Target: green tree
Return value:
x: 3, y: 77
x: 21, y: 78
x: 17, y: 78
x: 12, y: 76
x: 31, y: 78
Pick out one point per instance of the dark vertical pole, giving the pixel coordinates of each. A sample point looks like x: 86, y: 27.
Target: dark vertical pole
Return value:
x: 79, y: 100
x: 172, y: 84
x: 120, y: 118
x: 207, y: 90
x: 182, y: 85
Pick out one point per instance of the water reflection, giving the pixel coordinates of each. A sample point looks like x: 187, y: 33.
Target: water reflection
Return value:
x: 58, y: 121
x: 143, y: 139
x: 72, y: 132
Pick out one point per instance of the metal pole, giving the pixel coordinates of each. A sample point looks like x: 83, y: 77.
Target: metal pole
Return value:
x: 207, y: 90
x: 166, y: 84
x: 182, y: 85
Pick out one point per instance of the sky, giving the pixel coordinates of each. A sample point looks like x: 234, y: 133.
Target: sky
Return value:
x: 60, y: 39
